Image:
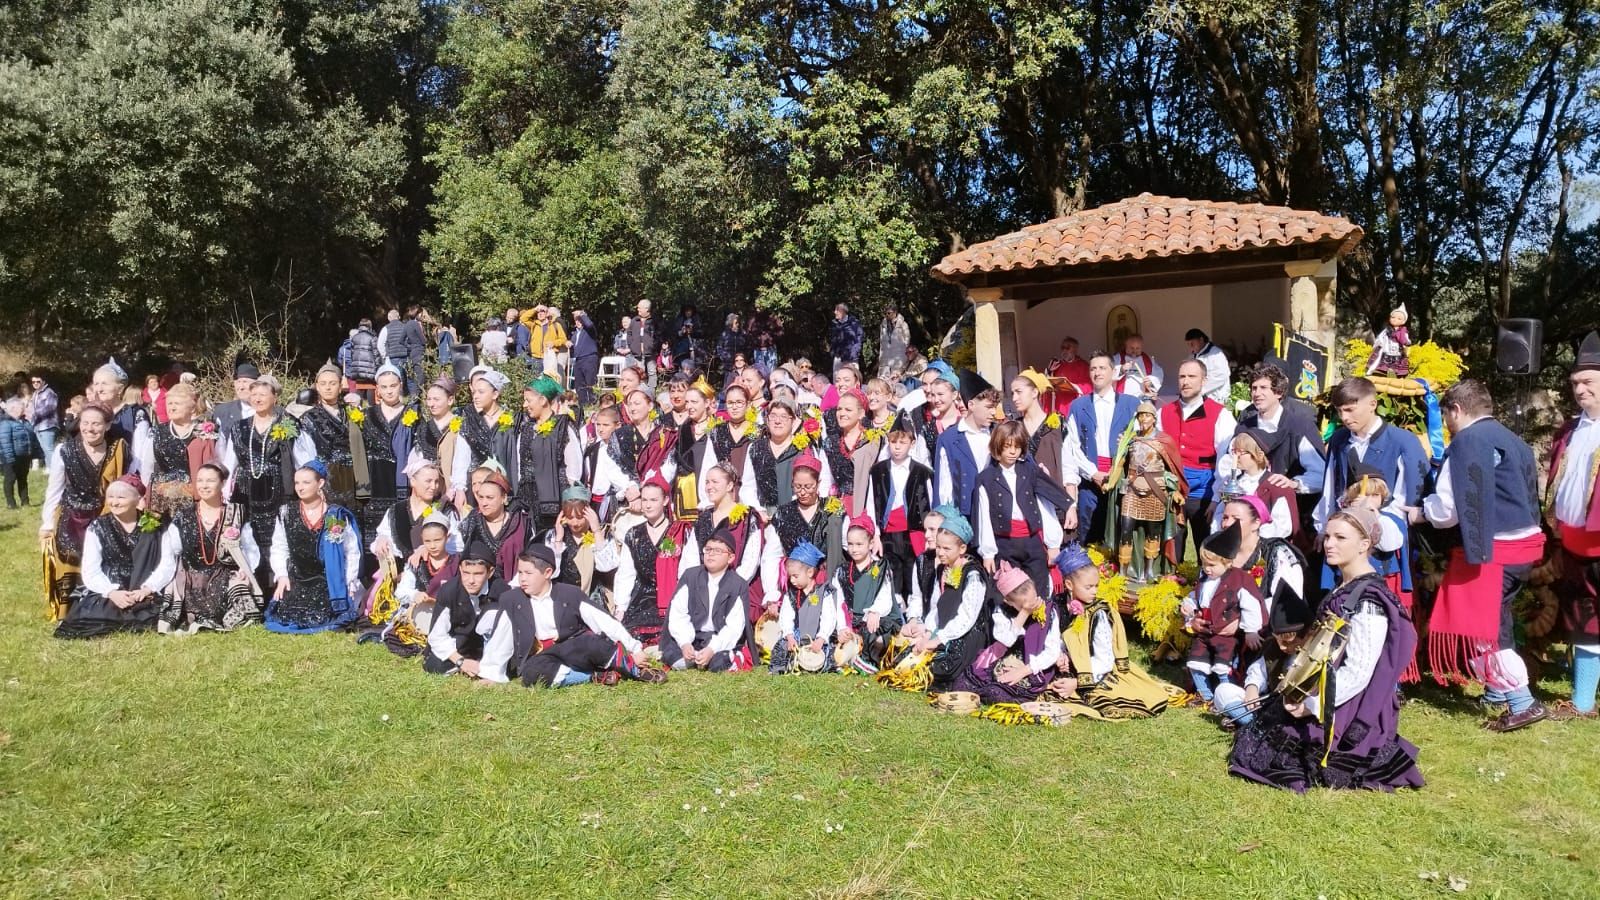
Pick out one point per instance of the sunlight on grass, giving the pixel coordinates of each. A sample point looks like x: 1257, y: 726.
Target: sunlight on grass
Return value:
x: 256, y: 764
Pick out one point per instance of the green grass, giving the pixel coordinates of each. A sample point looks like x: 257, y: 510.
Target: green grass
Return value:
x: 262, y: 765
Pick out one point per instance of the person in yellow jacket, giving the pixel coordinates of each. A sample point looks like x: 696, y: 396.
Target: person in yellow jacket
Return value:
x: 548, y: 340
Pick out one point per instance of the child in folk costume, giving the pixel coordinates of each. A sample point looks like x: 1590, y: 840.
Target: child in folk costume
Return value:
x: 962, y: 452
x: 950, y: 625
x: 605, y: 467
x: 1018, y: 508
x: 899, y: 498
x: 125, y: 574
x: 582, y: 546
x: 864, y: 585
x: 557, y: 637
x: 707, y: 625
x: 455, y: 643
x: 647, y: 568
x: 1098, y: 679
x: 1245, y: 471
x: 808, y: 615
x: 435, y: 565
x: 1026, y: 623
x: 1213, y: 612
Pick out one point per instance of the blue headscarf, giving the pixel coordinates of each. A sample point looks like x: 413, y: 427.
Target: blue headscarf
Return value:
x: 955, y: 523
x: 807, y: 553
x: 1072, y: 558
x: 317, y: 466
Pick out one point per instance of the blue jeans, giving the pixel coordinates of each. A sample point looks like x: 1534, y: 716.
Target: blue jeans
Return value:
x: 47, y: 442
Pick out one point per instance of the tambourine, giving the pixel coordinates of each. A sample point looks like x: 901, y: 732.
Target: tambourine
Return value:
x: 958, y: 703
x: 845, y: 654
x: 767, y: 633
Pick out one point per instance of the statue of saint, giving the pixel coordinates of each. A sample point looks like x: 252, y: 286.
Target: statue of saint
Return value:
x: 1149, y: 489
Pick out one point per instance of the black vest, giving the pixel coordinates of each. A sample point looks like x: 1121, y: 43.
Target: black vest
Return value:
x: 1029, y: 487
x: 463, y: 618
x: 730, y: 593
x: 919, y: 495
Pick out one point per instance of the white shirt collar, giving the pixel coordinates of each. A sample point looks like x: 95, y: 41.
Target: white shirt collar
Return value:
x: 1109, y: 395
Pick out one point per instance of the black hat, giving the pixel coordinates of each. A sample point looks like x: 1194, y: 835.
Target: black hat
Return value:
x: 1588, y: 354
x: 478, y: 551
x: 246, y: 370
x: 1359, y: 470
x: 972, y: 384
x: 725, y: 537
x: 1196, y: 334
x: 902, y: 421
x: 1290, y: 613
x: 1224, y: 543
x: 540, y: 554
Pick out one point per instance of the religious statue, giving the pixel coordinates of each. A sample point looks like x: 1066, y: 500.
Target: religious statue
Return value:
x: 1147, y: 483
x: 1389, y: 348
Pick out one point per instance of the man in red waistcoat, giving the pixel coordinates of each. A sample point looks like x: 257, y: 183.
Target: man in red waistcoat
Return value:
x: 1573, y: 506
x: 1202, y: 428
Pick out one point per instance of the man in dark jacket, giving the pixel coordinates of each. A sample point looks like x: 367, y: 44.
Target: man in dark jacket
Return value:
x: 844, y: 338
x: 16, y: 451
x: 362, y: 364
x: 585, y: 356
x: 46, y: 416
x: 642, y: 344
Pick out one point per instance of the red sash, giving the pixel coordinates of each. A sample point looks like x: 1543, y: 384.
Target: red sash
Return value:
x: 1103, y: 463
x: 1580, y: 542
x: 1020, y: 529
x: 1466, y: 614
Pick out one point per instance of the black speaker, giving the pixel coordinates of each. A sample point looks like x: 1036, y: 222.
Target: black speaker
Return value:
x: 1518, y: 346
x: 461, y: 362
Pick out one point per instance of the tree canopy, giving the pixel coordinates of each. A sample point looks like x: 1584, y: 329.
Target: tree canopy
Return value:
x: 163, y: 163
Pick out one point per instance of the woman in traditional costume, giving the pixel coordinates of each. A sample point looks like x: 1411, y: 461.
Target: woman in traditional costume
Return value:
x: 398, y: 533
x: 646, y: 440
x: 316, y: 559
x: 332, y: 424
x: 1020, y: 664
x: 1344, y: 731
x: 216, y: 557
x: 80, y: 468
x: 805, y: 518
x: 950, y: 624
x: 259, y: 452
x: 494, y: 524
x: 436, y: 434
x: 732, y: 435
x: 485, y: 433
x: 1099, y: 680
x: 695, y: 451
x: 170, y: 453
x: 647, y: 571
x: 1042, y: 427
x: 124, y: 570
x: 851, y: 450
x: 768, y: 478
x: 386, y: 434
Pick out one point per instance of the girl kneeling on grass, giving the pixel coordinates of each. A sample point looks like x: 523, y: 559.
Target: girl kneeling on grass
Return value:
x: 864, y: 585
x: 1025, y: 623
x: 1102, y: 683
x: 950, y: 626
x: 808, y: 615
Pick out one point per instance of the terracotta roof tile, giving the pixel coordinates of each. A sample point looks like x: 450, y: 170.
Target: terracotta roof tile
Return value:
x: 1147, y: 226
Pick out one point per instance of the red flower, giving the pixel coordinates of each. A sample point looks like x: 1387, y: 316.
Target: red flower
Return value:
x: 1258, y: 573
x: 813, y: 426
x: 722, y: 415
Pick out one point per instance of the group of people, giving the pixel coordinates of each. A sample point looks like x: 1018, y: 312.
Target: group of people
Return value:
x: 934, y: 533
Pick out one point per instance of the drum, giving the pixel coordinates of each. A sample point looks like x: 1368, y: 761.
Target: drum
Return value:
x: 767, y: 632
x: 845, y: 654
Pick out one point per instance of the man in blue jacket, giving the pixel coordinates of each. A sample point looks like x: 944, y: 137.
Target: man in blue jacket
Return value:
x: 585, y: 356
x: 844, y: 338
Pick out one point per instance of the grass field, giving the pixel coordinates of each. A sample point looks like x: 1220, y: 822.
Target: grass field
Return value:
x: 255, y: 764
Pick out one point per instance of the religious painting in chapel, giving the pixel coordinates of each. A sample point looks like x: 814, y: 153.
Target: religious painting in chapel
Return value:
x: 1121, y: 321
